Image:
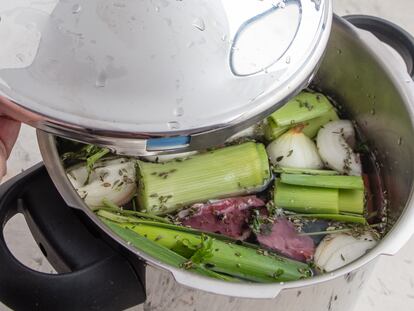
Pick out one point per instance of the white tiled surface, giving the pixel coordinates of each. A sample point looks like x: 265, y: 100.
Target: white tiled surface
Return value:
x: 392, y: 284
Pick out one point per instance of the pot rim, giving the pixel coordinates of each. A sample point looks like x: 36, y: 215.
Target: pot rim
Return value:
x: 389, y: 245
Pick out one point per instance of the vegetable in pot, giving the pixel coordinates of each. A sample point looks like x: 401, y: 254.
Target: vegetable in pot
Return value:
x: 112, y: 179
x: 338, y: 250
x: 311, y: 110
x: 334, y: 145
x: 317, y: 200
x: 226, y: 172
x: 294, y: 149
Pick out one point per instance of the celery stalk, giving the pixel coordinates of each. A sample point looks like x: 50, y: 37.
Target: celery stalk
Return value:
x: 352, y: 201
x: 313, y: 126
x: 335, y: 217
x: 235, y: 170
x: 224, y: 257
x: 303, y: 107
x: 291, y: 170
x: 312, y: 110
x: 314, y: 200
x: 337, y: 182
x: 302, y: 199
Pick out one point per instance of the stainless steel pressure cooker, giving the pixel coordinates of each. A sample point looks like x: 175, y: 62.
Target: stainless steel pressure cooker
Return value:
x: 100, y: 271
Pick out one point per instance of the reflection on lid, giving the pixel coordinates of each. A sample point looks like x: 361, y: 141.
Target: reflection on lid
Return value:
x: 254, y: 48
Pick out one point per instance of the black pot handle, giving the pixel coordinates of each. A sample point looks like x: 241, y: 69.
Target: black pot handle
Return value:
x: 92, y: 275
x: 390, y: 33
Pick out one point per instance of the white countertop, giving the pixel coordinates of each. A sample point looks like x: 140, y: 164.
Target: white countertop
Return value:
x: 391, y: 286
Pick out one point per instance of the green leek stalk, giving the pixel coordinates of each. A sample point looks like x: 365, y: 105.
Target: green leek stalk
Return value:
x: 313, y: 110
x: 224, y: 257
x: 337, y: 182
x: 316, y: 200
x: 235, y: 170
x: 158, y: 251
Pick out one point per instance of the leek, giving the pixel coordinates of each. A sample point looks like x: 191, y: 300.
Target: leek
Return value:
x: 338, y: 182
x: 223, y: 257
x: 313, y: 126
x: 234, y: 170
x: 158, y: 251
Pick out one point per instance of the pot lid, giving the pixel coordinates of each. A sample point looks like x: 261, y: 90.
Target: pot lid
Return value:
x: 161, y: 68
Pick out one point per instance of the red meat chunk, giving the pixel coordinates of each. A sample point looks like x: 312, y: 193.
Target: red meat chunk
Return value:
x: 284, y: 239
x: 229, y: 217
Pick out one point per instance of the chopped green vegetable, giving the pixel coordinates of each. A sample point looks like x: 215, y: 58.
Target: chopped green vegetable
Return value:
x: 164, y: 254
x: 317, y: 200
x: 223, y: 257
x: 313, y: 110
x: 112, y: 207
x: 313, y: 126
x: 235, y: 170
x: 303, y: 107
x: 302, y: 199
x: 335, y: 217
x: 352, y: 201
x: 338, y: 182
x: 291, y: 170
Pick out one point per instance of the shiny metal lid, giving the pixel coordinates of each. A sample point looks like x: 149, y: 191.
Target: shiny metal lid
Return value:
x: 119, y: 72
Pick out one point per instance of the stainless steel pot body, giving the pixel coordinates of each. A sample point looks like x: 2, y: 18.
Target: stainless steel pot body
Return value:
x: 360, y: 73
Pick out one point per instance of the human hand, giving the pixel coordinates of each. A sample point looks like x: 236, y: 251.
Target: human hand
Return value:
x: 9, y: 130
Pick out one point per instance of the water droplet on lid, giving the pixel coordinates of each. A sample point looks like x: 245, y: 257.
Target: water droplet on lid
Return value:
x: 199, y: 24
x: 281, y: 5
x: 76, y: 9
x: 20, y: 57
x: 224, y: 37
x: 400, y: 141
x: 101, y: 81
x: 338, y: 51
x: 372, y: 111
x: 288, y: 60
x: 173, y: 125
x: 157, y: 9
x: 179, y: 111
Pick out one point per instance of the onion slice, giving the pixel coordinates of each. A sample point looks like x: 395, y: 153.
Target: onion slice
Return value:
x: 338, y: 250
x: 111, y: 179
x: 333, y: 143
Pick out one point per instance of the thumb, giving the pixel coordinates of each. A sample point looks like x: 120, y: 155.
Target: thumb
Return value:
x: 3, y: 157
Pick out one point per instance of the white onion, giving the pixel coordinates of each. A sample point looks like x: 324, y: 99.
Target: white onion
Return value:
x: 338, y: 250
x: 333, y: 146
x: 111, y: 179
x: 169, y: 157
x: 294, y: 149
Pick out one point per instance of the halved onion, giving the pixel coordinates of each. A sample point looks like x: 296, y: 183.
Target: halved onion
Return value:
x: 111, y: 179
x: 338, y: 250
x: 334, y: 147
x: 295, y: 150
